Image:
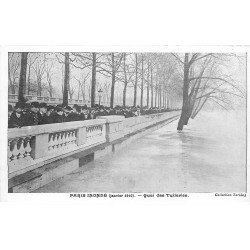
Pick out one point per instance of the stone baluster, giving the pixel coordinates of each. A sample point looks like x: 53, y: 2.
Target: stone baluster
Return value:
x: 50, y: 146
x: 64, y: 134
x: 28, y: 147
x: 10, y: 152
x: 15, y: 152
x: 21, y: 148
x: 67, y: 138
x: 60, y: 141
x: 73, y: 137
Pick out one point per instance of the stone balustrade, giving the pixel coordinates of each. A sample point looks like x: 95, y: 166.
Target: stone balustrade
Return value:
x: 35, y: 146
x: 29, y: 147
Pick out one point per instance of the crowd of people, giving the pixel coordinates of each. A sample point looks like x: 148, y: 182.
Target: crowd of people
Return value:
x: 35, y: 113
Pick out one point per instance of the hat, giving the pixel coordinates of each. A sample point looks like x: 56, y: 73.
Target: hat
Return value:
x: 43, y: 105
x: 50, y: 107
x: 35, y: 104
x: 19, y: 105
x: 67, y: 108
x: 58, y: 109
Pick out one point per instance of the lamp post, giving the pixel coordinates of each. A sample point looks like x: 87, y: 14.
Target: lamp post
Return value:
x: 100, y: 95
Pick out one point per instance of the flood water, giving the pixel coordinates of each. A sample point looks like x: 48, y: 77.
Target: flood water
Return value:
x: 209, y: 155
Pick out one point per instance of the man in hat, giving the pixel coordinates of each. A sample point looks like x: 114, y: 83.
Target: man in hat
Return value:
x: 75, y: 114
x: 16, y: 119
x: 67, y: 114
x: 57, y: 115
x: 43, y: 113
x: 33, y: 117
x: 83, y: 113
x: 50, y: 114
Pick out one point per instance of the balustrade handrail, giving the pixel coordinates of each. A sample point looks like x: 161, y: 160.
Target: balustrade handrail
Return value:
x: 51, y: 128
x: 54, y: 127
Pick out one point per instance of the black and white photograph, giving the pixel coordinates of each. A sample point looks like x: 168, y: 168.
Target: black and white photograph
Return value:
x: 127, y: 122
x: 124, y: 125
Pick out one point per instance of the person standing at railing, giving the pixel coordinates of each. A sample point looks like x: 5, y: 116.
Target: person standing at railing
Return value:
x: 17, y: 118
x: 33, y: 117
x: 50, y: 114
x: 91, y: 114
x: 57, y: 116
x: 83, y: 113
x: 75, y: 114
x: 43, y: 112
x: 67, y: 114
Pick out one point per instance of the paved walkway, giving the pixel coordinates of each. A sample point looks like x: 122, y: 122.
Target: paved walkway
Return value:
x: 208, y: 156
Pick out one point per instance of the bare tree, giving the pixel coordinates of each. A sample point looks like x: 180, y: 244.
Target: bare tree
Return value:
x: 109, y: 67
x: 13, y: 70
x: 82, y: 86
x: 204, y: 80
x: 127, y: 75
x: 22, y: 78
x: 49, y: 74
x: 39, y: 67
x: 32, y: 57
x: 136, y: 78
x: 66, y: 80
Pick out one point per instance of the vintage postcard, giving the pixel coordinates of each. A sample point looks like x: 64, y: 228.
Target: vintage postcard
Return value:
x: 121, y: 122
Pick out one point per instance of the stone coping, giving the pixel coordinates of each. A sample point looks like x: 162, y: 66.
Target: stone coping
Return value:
x: 112, y: 118
x: 51, y: 128
x: 57, y: 127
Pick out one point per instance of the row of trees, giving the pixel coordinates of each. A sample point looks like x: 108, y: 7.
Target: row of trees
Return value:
x: 154, y: 78
x: 154, y: 75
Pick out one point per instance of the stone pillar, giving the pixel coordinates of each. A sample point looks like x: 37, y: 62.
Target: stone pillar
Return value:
x: 40, y: 145
x: 114, y: 127
x: 81, y: 136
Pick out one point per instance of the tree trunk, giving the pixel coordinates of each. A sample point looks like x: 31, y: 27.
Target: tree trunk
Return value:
x: 184, y: 112
x: 22, y: 79
x: 156, y: 93
x: 39, y: 87
x: 50, y: 90
x: 12, y: 84
x: 113, y: 81
x: 28, y: 82
x: 125, y: 81
x: 136, y: 79
x: 79, y: 91
x: 148, y: 87
x: 160, y: 97
x: 142, y: 82
x: 66, y: 80
x: 83, y: 91
x: 93, y: 83
x: 152, y: 89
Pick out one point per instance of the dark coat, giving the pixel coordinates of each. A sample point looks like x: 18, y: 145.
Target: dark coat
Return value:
x: 74, y: 117
x: 44, y: 119
x: 82, y: 117
x: 32, y: 118
x: 55, y: 118
x: 16, y: 122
